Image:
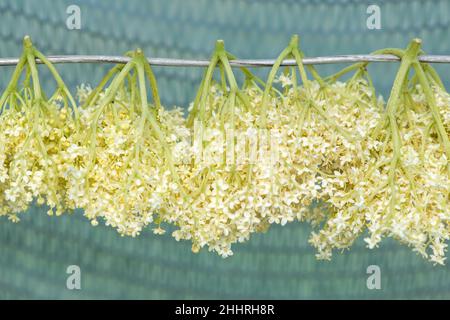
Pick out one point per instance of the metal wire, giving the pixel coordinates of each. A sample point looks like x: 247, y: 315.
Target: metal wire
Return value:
x: 234, y: 63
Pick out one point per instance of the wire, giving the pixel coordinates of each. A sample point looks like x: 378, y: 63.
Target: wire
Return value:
x: 234, y: 63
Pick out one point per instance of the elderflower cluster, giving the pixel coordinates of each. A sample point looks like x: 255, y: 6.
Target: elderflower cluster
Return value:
x: 235, y: 184
x: 124, y: 179
x: 408, y: 200
x: 417, y: 210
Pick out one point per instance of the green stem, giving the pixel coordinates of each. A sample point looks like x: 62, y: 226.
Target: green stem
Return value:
x: 58, y: 80
x: 248, y: 74
x: 270, y: 80
x: 434, y: 108
x: 232, y: 80
x: 409, y: 56
x: 298, y: 55
x: 433, y: 74
x: 96, y: 91
x: 298, y: 58
x: 228, y: 71
x: 394, y: 51
x: 34, y: 75
x: 153, y: 84
x: 110, y: 94
x: 194, y: 111
x: 12, y: 85
x: 206, y: 84
x: 334, y: 77
x: 145, y: 111
x: 223, y: 80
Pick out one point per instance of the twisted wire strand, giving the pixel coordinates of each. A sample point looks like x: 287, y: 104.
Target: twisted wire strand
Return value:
x: 168, y: 62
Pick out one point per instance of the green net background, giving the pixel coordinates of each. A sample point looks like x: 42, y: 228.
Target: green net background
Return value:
x: 280, y: 264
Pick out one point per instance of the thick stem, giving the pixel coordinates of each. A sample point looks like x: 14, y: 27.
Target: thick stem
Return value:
x: 14, y: 79
x: 228, y: 71
x: 301, y: 68
x: 145, y: 112
x: 153, y: 84
x: 206, y: 87
x: 34, y: 75
x: 298, y: 55
x: 409, y: 56
x: 223, y: 80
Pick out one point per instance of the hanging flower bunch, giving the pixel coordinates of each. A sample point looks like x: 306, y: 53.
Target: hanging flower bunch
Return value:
x: 127, y: 164
x: 403, y: 189
x: 234, y: 179
x: 34, y: 133
x: 328, y: 122
x: 295, y: 147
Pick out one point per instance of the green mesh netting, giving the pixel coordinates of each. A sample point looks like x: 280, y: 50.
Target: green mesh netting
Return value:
x: 280, y: 264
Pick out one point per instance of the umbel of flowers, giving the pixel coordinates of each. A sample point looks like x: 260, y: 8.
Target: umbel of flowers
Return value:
x: 296, y: 147
x: 126, y: 165
x: 403, y: 188
x: 34, y: 132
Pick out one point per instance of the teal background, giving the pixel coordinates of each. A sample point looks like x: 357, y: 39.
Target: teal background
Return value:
x: 280, y: 264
